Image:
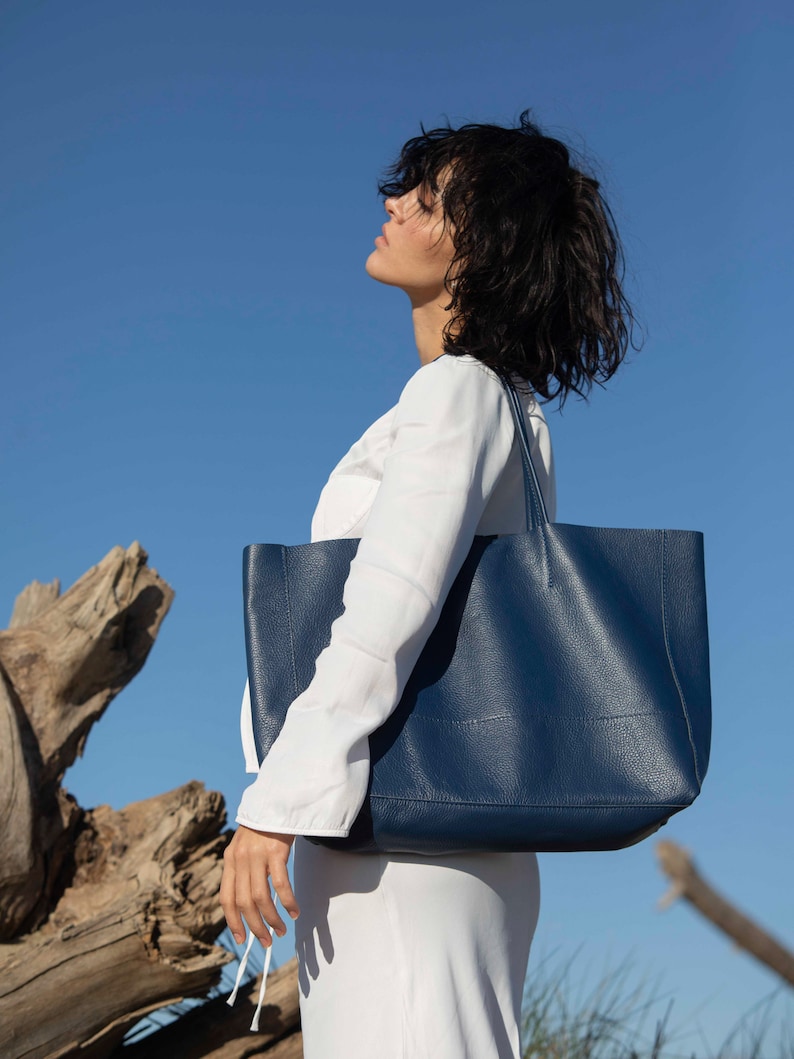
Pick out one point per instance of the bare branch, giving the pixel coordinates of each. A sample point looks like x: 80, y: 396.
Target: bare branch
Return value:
x: 677, y: 864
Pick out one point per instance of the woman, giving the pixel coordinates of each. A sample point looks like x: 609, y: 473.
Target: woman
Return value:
x: 510, y: 259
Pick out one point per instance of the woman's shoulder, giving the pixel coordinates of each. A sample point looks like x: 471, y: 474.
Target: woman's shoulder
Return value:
x: 459, y: 385
x: 445, y: 379
x: 457, y: 364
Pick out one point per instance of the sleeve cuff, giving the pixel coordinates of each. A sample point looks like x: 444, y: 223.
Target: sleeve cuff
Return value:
x: 281, y: 829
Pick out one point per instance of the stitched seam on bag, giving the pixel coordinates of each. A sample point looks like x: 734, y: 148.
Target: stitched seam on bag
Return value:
x: 289, y: 618
x: 583, y: 718
x: 532, y: 805
x: 460, y: 724
x: 670, y: 658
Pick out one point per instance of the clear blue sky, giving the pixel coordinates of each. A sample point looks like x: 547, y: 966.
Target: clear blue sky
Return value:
x: 190, y: 342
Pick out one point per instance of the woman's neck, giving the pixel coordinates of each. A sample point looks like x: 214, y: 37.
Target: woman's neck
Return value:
x: 429, y: 320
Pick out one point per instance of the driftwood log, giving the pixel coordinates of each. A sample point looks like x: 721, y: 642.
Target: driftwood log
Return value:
x: 216, y: 1031
x: 105, y: 916
x: 687, y: 882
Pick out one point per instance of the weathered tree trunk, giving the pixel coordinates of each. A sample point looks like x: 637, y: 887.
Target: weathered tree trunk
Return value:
x: 687, y: 882
x: 58, y: 672
x: 131, y: 932
x: 216, y: 1031
x: 105, y: 916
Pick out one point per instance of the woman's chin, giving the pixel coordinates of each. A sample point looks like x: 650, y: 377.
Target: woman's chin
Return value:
x: 374, y: 268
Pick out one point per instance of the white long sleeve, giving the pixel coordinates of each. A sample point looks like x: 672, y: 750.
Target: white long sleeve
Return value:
x: 451, y: 436
x: 247, y: 732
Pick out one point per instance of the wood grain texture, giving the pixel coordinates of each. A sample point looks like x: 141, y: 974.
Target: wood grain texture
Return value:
x: 33, y: 600
x: 217, y: 1031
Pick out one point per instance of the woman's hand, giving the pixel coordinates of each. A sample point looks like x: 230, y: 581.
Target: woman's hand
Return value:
x: 248, y: 860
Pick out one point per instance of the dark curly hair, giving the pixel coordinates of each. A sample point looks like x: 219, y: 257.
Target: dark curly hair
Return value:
x: 535, y: 282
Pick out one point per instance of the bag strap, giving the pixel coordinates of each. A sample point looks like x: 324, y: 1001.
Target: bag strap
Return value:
x: 537, y: 515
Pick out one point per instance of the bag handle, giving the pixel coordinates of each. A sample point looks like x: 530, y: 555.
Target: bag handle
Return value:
x: 537, y: 515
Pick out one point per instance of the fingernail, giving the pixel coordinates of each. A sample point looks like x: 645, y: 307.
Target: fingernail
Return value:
x: 294, y: 915
x: 238, y: 937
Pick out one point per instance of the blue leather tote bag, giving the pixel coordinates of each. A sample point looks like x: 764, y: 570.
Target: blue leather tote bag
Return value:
x: 562, y: 701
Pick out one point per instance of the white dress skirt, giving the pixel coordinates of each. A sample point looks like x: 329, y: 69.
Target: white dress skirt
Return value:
x: 408, y: 957
x: 401, y: 956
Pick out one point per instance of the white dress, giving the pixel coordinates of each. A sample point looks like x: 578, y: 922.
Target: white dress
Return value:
x: 401, y: 956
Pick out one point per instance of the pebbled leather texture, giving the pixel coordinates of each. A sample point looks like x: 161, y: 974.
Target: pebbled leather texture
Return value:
x: 561, y: 703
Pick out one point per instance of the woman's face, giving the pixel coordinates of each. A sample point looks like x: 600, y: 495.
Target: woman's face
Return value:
x: 415, y: 249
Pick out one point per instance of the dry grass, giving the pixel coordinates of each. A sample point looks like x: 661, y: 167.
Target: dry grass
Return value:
x: 626, y: 1018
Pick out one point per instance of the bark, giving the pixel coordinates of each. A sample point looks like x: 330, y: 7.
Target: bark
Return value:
x: 131, y: 933
x: 290, y: 1048
x: 217, y: 1031
x: 677, y: 864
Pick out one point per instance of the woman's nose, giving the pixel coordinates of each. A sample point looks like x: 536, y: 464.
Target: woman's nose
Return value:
x: 392, y: 206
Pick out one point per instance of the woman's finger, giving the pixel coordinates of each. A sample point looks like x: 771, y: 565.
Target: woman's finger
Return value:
x: 248, y: 904
x: 261, y: 906
x: 281, y: 884
x: 227, y: 897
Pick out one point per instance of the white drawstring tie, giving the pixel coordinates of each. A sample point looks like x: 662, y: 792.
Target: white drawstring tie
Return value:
x: 241, y: 970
